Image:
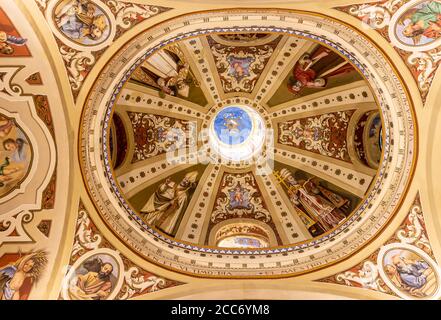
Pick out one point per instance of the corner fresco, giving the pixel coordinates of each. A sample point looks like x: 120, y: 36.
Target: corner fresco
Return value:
x: 84, y: 29
x: 413, y: 28
x: 404, y: 266
x: 19, y: 272
x: 84, y: 22
x: 97, y: 271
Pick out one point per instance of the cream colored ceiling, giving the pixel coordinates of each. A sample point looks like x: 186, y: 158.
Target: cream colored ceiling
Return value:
x: 76, y: 213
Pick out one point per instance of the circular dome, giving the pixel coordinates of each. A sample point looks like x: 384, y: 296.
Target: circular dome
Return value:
x: 248, y: 147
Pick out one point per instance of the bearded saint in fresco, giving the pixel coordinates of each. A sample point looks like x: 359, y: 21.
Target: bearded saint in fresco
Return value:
x: 12, y: 277
x: 95, y: 284
x: 409, y: 275
x: 306, y: 76
x: 321, y: 204
x: 425, y: 21
x: 166, y: 206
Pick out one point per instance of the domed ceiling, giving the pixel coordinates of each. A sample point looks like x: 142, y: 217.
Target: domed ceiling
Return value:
x: 243, y: 143
x: 263, y: 139
x: 185, y: 152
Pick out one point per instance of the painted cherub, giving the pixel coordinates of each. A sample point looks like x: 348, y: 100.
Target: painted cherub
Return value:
x: 13, y: 276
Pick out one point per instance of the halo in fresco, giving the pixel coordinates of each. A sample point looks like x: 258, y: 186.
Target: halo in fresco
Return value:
x: 15, y: 155
x: 409, y: 272
x: 97, y: 275
x: 416, y: 26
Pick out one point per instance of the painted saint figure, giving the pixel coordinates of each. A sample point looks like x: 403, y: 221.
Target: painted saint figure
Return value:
x: 409, y: 275
x: 424, y: 21
x: 178, y: 81
x: 306, y: 76
x: 79, y: 20
x: 167, y: 205
x: 17, y: 147
x: 322, y: 205
x: 12, y: 277
x: 95, y: 284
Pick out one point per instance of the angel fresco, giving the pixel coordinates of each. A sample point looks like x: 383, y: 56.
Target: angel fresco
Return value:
x: 167, y: 205
x: 82, y: 21
x: 422, y: 23
x: 14, y: 275
x: 306, y: 75
x: 239, y: 67
x: 8, y: 42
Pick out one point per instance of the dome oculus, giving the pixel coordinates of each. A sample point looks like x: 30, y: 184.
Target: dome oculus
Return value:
x: 237, y: 133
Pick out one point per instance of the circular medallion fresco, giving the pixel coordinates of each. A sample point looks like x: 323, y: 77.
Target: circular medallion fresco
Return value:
x: 252, y: 151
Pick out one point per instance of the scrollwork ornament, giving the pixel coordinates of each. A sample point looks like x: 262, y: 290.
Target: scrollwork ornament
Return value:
x: 6, y: 84
x: 367, y: 277
x: 127, y: 13
x: 77, y: 64
x: 13, y: 223
x: 85, y: 237
x: 136, y: 283
x: 414, y: 231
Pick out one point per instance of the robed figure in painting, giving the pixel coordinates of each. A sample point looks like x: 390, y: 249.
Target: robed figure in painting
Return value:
x: 322, y: 205
x: 424, y: 21
x: 80, y: 20
x: 12, y: 277
x: 166, y: 206
x: 306, y: 75
x: 409, y: 275
x: 93, y: 285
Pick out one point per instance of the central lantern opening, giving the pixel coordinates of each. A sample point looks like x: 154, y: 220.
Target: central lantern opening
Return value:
x: 237, y: 133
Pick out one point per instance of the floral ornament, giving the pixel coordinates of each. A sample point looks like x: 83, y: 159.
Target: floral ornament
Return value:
x: 324, y: 134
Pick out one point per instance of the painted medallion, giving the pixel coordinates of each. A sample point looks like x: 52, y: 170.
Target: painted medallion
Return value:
x: 82, y: 21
